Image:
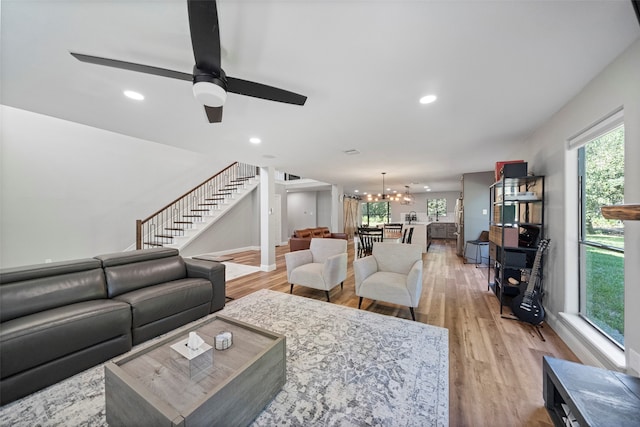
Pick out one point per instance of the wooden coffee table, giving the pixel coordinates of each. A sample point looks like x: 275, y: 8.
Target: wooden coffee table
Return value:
x: 147, y: 387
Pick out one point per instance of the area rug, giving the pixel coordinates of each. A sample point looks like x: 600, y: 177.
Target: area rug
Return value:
x: 234, y: 270
x: 345, y: 367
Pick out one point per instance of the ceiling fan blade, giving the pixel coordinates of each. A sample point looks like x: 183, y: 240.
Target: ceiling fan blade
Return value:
x: 258, y: 90
x: 147, y: 69
x: 205, y: 35
x: 214, y: 114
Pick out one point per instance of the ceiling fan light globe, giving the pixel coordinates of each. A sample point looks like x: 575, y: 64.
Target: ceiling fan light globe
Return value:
x: 209, y: 94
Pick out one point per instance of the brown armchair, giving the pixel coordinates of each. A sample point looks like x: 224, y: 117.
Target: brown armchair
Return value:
x: 301, y: 239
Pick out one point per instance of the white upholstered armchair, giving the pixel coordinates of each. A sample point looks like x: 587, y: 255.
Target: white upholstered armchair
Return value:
x: 393, y: 273
x: 323, y: 266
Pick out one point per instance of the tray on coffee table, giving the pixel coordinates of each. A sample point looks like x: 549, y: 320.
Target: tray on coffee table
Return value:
x: 147, y: 386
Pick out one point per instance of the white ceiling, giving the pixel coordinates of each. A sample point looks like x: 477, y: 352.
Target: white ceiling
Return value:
x: 500, y: 69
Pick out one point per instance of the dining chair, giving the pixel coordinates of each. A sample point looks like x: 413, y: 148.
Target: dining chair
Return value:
x: 407, y: 236
x: 367, y: 236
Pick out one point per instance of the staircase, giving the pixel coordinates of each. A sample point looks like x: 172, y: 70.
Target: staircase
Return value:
x: 184, y: 219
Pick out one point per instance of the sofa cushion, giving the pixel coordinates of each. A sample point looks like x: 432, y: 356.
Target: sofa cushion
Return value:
x: 164, y: 300
x: 126, y: 278
x: 121, y: 258
x: 30, y: 341
x: 387, y: 286
x: 309, y: 274
x: 32, y: 289
x: 303, y: 234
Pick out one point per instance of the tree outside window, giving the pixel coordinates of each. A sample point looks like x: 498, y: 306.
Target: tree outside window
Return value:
x: 436, y: 207
x: 601, y: 170
x: 375, y: 213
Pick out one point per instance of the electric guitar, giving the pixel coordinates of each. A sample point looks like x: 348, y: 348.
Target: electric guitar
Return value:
x: 526, y: 306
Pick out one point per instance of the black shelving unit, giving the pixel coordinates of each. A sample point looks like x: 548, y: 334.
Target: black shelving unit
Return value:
x: 516, y: 225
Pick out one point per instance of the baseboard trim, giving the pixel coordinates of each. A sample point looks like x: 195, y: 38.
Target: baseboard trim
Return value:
x: 587, y: 344
x: 236, y: 250
x: 267, y: 267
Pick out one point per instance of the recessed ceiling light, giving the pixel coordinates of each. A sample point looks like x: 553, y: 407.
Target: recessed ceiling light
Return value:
x: 133, y: 95
x: 428, y: 189
x: 426, y: 186
x: 356, y: 191
x: 428, y: 99
x: 255, y: 140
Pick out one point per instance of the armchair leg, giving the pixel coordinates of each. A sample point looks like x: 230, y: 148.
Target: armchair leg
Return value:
x: 327, y: 292
x: 360, y: 302
x: 341, y: 285
x: 413, y: 315
x: 291, y: 290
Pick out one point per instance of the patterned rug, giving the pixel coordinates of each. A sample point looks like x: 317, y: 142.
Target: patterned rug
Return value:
x: 345, y: 367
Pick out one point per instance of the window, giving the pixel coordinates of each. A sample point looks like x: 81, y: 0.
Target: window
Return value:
x: 436, y: 207
x: 601, y: 241
x: 374, y: 213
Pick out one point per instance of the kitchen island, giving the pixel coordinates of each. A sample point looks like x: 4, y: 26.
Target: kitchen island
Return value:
x: 424, y: 232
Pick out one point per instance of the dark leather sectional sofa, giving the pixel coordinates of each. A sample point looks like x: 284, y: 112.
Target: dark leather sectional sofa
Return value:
x: 59, y: 319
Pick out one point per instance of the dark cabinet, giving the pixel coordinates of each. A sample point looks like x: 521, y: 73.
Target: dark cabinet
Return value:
x: 442, y: 230
x: 438, y: 230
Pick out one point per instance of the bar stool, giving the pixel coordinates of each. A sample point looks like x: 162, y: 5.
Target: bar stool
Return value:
x: 480, y: 244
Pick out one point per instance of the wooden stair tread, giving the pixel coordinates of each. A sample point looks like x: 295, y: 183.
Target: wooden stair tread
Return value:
x: 153, y: 244
x: 183, y: 222
x: 164, y: 236
x: 174, y: 229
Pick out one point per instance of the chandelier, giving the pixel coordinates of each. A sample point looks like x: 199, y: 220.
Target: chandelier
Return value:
x: 383, y: 196
x: 407, y: 198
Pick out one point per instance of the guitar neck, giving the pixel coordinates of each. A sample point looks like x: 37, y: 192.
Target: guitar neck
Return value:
x: 534, y: 279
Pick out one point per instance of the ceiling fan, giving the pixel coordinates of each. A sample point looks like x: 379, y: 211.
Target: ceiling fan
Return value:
x: 210, y: 83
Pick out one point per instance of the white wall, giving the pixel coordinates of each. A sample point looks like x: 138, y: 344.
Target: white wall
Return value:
x: 301, y: 210
x: 398, y: 210
x: 476, y: 202
x: 308, y: 209
x: 237, y: 229
x: 72, y: 191
x: 617, y: 85
x: 323, y: 205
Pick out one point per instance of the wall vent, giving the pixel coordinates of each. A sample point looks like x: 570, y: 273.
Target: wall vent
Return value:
x: 351, y: 152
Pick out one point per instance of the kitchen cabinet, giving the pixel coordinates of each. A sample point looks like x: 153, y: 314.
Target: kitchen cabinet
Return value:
x: 443, y: 230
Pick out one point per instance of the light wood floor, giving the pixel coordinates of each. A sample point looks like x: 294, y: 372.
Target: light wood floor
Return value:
x: 495, y: 364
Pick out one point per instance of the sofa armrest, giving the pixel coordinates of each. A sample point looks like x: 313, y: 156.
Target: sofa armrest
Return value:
x: 414, y: 282
x: 296, y: 259
x: 299, y: 243
x: 213, y: 272
x: 339, y: 236
x: 334, y: 270
x: 363, y: 268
